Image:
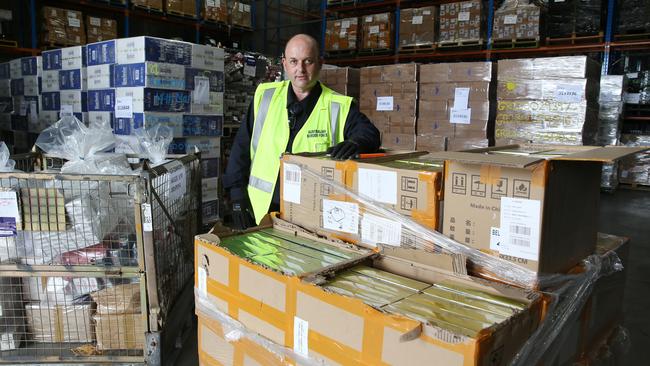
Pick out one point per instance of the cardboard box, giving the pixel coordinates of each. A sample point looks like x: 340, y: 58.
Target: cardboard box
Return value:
x: 461, y: 22
x: 155, y: 100
x: 101, y: 76
x: 75, y: 98
x: 49, y: 81
x: 119, y: 331
x: 175, y: 6
x: 50, y: 323
x: 215, y: 79
x: 141, y: 49
x: 401, y: 73
x: 101, y: 100
x: 210, y: 147
x: 549, y: 68
x: 101, y: 53
x: 207, y: 57
x: 216, y: 10
x: 344, y: 80
x: 73, y: 58
x: 398, y: 141
x: 240, y: 14
x: 377, y: 31
x: 457, y: 72
x: 214, y: 106
x: 281, y: 307
x: 341, y: 34
x: 150, y: 75
x: 75, y: 79
x: 515, y: 21
x: 430, y: 142
x: 417, y: 26
x: 533, y: 205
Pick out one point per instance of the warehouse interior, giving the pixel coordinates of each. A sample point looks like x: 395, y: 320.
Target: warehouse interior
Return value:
x: 500, y: 221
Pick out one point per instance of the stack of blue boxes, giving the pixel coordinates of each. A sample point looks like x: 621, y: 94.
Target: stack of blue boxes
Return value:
x: 146, y: 81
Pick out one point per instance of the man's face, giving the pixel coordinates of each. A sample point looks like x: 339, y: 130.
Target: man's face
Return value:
x: 301, y: 63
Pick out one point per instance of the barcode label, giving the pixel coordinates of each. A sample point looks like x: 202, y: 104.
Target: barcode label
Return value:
x: 378, y: 230
x: 520, y: 223
x: 520, y: 242
x: 293, y: 177
x: 519, y: 230
x: 291, y: 183
x: 147, y: 222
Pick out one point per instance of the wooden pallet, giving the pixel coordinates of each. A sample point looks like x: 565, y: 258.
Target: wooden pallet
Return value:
x: 148, y: 9
x: 574, y: 39
x: 181, y: 14
x: 475, y: 43
x: 637, y: 110
x: 423, y: 48
x: 340, y: 53
x: 339, y: 2
x: 634, y: 186
x: 376, y: 51
x: 632, y: 36
x: 516, y: 43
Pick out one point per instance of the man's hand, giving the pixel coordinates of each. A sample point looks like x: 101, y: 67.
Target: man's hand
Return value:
x: 344, y: 150
x: 242, y: 215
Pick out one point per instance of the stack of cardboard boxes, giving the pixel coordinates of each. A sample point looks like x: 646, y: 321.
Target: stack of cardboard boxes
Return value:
x: 343, y: 80
x: 149, y: 4
x: 62, y: 27
x: 460, y: 23
x: 550, y: 100
x: 516, y: 20
x: 182, y: 7
x: 341, y: 35
x: 21, y: 110
x: 240, y: 14
x: 455, y: 106
x: 389, y: 97
x: 610, y: 113
x: 216, y: 10
x: 377, y: 31
x: 417, y: 27
x: 100, y: 29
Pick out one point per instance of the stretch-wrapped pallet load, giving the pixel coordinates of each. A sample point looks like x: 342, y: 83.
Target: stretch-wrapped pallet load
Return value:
x: 100, y: 29
x: 417, y: 27
x: 455, y: 106
x: 25, y: 89
x: 240, y: 13
x: 516, y: 20
x: 460, y: 23
x: 389, y: 97
x: 62, y: 27
x: 551, y: 100
x: 182, y: 7
x: 377, y: 32
x: 566, y: 18
x: 343, y: 80
x: 149, y: 4
x: 216, y: 10
x: 636, y: 169
x: 6, y: 104
x: 610, y: 104
x: 341, y: 35
x: 65, y: 85
x: 633, y: 16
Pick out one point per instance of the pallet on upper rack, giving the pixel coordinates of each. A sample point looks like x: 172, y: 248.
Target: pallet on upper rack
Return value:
x: 340, y: 53
x: 462, y: 43
x: 637, y: 110
x: 420, y: 48
x: 376, y: 51
x: 181, y: 14
x: 574, y: 39
x: 148, y: 8
x: 339, y: 2
x: 515, y: 43
x: 632, y: 36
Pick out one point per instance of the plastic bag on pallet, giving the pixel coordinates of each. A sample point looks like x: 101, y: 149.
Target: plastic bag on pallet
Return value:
x: 6, y: 164
x: 154, y: 142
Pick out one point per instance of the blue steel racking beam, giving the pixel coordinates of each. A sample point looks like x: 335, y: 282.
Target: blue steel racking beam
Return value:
x: 32, y: 20
x: 611, y: 4
x: 323, y: 27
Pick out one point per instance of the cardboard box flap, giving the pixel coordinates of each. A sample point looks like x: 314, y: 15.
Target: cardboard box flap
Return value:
x: 606, y: 154
x: 451, y: 263
x: 513, y: 161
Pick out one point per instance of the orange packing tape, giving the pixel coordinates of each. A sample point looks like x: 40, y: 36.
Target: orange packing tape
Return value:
x: 490, y: 174
x: 429, y: 216
x: 539, y: 173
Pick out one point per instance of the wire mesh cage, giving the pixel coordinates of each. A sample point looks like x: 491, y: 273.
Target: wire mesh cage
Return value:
x: 116, y: 229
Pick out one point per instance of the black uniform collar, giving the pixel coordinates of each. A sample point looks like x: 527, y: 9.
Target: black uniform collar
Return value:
x: 311, y: 99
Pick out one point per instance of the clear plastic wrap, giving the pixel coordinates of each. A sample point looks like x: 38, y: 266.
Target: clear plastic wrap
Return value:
x: 81, y: 146
x: 417, y: 26
x: 635, y: 169
x: 609, y: 117
x: 341, y: 34
x: 549, y: 68
x: 154, y: 142
x: 609, y: 177
x: 612, y: 88
x: 515, y: 20
x: 461, y: 22
x: 6, y: 164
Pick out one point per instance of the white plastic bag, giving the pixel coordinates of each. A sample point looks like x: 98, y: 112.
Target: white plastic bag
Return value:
x: 6, y: 164
x: 154, y: 142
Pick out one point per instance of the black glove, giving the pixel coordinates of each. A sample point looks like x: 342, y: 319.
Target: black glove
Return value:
x: 242, y: 216
x: 344, y: 150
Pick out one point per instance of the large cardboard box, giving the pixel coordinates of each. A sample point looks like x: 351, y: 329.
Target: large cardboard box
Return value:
x: 295, y: 313
x: 516, y: 21
x: 461, y: 22
x: 60, y: 322
x: 341, y: 35
x: 377, y: 31
x: 417, y: 27
x: 343, y: 80
x: 533, y: 205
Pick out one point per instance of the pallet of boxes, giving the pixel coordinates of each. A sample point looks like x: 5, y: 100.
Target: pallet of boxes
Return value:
x: 62, y: 27
x: 352, y: 271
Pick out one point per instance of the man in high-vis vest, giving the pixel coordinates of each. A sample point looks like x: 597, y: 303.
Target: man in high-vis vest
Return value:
x: 296, y: 115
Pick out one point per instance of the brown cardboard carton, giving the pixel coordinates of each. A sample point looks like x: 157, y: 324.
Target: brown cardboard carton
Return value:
x: 377, y: 31
x: 216, y: 10
x: 155, y: 4
x: 344, y: 80
x: 460, y: 22
x: 549, y: 68
x: 189, y: 7
x: 456, y: 72
x: 119, y: 331
x: 240, y: 14
x: 175, y: 6
x: 341, y: 34
x: 516, y: 21
x: 398, y: 141
x: 417, y: 26
x: 400, y: 73
x: 533, y: 205
x: 53, y: 323
x: 478, y: 91
x: 280, y: 307
x: 430, y: 142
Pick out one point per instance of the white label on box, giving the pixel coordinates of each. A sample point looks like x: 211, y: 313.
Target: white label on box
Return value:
x: 378, y: 230
x: 568, y: 93
x: 124, y: 107
x: 632, y: 75
x: 373, y: 29
x: 463, y: 16
x: 210, y: 3
x: 201, y: 92
x: 385, y: 103
x: 9, y: 209
x: 247, y: 8
x: 147, y: 222
x: 369, y: 19
x: 66, y: 110
x: 292, y: 181
x: 510, y: 19
x: 378, y: 185
x: 460, y: 116
x: 33, y: 112
x: 241, y: 7
x: 203, y: 280
x: 250, y: 70
x: 495, y: 238
x: 74, y: 22
x: 520, y: 222
x: 461, y: 98
x: 301, y: 336
x: 427, y: 12
x: 0, y: 310
x: 345, y: 24
x: 97, y: 22
x: 177, y: 181
x: 417, y: 19
x: 7, y: 342
x: 632, y: 98
x: 341, y: 216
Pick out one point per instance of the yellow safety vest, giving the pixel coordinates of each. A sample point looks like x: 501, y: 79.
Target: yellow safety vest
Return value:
x: 323, y: 128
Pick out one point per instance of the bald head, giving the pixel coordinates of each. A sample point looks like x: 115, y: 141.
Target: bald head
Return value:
x: 302, y: 63
x: 304, y: 41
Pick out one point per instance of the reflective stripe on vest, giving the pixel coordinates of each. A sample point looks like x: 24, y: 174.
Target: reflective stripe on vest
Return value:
x: 334, y: 122
x: 261, y: 116
x: 260, y: 184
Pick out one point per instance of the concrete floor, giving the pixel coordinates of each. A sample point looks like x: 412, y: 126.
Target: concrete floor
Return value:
x: 625, y: 213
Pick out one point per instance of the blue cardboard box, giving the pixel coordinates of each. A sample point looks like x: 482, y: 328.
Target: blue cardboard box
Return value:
x: 30, y: 66
x: 51, y: 101
x: 160, y: 100
x: 52, y: 60
x: 100, y: 53
x: 151, y: 75
x: 101, y: 100
x: 202, y: 125
x: 216, y: 79
x: 72, y: 79
x: 141, y: 49
x: 210, y: 167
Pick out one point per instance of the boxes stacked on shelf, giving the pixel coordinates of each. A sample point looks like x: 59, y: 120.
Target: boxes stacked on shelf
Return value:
x: 6, y: 104
x: 182, y: 7
x: 633, y: 16
x: 25, y: 87
x: 417, y: 27
x: 243, y: 72
x: 145, y: 81
x: 460, y: 23
x: 567, y: 18
x: 149, y: 4
x: 377, y: 32
x: 240, y: 13
x: 62, y: 27
x: 610, y: 104
x: 343, y: 80
x: 389, y: 97
x: 516, y: 20
x: 549, y: 100
x: 100, y: 29
x: 65, y: 85
x: 455, y: 106
x: 216, y: 10
x: 341, y: 36
x: 636, y: 169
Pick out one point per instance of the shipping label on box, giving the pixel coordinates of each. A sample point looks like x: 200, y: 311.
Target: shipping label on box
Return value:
x: 210, y: 147
x: 52, y: 60
x: 76, y: 99
x: 73, y: 57
x: 207, y: 57
x: 101, y: 100
x: 101, y: 53
x: 141, y: 49
x: 209, y: 189
x: 214, y: 78
x: 151, y: 75
x: 73, y: 79
x: 100, y: 76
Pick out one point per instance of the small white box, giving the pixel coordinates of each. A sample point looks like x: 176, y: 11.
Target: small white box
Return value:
x: 75, y: 98
x: 207, y: 57
x: 100, y: 77
x: 50, y: 81
x: 73, y: 57
x: 215, y: 106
